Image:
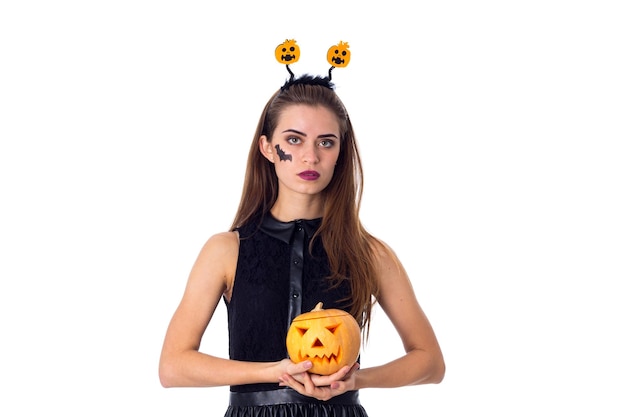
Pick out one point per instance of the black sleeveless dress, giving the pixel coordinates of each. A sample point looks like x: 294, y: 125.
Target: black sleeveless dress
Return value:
x: 278, y: 278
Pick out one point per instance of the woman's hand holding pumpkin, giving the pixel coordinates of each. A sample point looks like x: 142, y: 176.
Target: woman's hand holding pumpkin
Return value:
x: 322, y: 387
x: 288, y: 367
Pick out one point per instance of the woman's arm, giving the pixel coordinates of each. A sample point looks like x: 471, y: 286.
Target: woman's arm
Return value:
x: 181, y: 364
x: 423, y: 362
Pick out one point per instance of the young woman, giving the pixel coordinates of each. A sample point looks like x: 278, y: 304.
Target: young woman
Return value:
x: 296, y: 240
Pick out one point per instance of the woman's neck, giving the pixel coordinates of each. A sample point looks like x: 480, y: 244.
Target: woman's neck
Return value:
x: 306, y: 207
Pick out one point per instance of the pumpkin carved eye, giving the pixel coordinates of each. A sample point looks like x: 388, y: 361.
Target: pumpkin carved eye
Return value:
x: 330, y: 339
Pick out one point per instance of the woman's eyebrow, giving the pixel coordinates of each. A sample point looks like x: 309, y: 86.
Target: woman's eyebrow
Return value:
x: 326, y: 135
x: 294, y: 131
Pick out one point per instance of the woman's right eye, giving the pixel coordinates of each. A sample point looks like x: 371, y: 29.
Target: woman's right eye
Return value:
x: 293, y: 140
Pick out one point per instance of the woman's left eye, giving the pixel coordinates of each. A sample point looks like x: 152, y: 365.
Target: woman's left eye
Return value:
x: 327, y: 143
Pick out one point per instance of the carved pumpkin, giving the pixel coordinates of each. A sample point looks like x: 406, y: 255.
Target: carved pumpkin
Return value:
x: 330, y: 339
x: 287, y: 52
x: 339, y: 55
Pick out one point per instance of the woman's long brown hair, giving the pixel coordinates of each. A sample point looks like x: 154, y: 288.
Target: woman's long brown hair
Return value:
x: 348, y: 245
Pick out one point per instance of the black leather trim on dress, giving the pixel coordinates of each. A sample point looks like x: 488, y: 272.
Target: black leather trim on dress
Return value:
x: 287, y: 396
x: 284, y: 230
x: 296, y: 233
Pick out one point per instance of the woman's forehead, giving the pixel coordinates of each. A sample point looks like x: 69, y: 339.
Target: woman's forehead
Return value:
x: 309, y: 117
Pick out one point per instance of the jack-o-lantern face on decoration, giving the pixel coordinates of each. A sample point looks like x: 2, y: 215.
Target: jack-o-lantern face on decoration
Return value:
x: 339, y: 55
x: 330, y: 339
x: 287, y: 52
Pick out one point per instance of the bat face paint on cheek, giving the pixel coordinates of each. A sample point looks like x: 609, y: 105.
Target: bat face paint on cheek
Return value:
x: 282, y: 155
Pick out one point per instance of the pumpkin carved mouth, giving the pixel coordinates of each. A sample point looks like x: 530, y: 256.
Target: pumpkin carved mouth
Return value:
x: 318, y: 353
x: 319, y: 357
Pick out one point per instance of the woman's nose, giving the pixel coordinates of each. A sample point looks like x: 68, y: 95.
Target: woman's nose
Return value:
x: 310, y: 155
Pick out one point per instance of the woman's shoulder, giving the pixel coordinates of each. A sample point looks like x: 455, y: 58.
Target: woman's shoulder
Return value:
x: 379, y: 246
x: 383, y: 253
x: 223, y: 241
x: 219, y: 255
x: 220, y: 248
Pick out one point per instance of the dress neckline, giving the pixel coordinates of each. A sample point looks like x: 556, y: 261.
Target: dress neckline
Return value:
x: 284, y: 230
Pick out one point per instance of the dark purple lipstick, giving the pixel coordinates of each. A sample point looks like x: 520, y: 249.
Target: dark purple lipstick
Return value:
x: 309, y: 175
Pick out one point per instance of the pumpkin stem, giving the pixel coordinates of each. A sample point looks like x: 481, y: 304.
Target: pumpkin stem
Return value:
x: 318, y: 307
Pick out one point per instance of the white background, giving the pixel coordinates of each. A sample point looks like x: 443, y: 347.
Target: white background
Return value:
x: 492, y: 134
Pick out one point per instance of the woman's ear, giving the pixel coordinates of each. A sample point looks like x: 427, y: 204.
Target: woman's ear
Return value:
x: 266, y: 148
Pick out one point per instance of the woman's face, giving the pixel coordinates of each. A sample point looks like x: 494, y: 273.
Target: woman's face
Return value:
x: 304, y: 148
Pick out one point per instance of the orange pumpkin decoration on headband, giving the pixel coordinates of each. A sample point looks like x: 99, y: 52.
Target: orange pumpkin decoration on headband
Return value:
x: 339, y: 55
x: 287, y: 52
x: 330, y: 339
